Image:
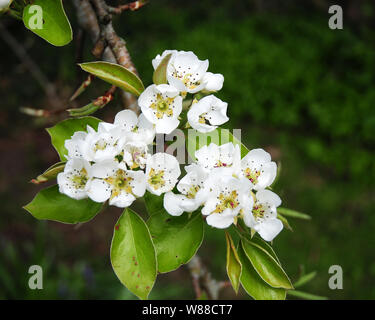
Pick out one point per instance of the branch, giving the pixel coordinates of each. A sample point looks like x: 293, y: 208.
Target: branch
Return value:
x: 95, y: 19
x: 132, y: 6
x: 203, y: 281
x: 35, y: 71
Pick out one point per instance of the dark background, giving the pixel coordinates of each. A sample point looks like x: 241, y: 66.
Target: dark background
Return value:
x: 303, y: 92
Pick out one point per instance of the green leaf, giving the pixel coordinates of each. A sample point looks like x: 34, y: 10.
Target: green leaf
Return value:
x: 293, y: 214
x: 195, y: 140
x: 305, y: 295
x: 50, y: 204
x: 50, y: 173
x: 234, y: 266
x: 154, y: 203
x: 160, y: 73
x: 265, y: 246
x: 48, y: 20
x: 176, y: 239
x: 305, y: 279
x: 133, y: 255
x: 266, y: 266
x: 66, y: 128
x: 116, y: 75
x: 254, y: 285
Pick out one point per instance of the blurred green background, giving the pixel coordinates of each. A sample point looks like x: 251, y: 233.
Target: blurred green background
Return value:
x: 303, y: 92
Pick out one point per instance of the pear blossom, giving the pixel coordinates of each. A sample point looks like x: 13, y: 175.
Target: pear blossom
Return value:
x: 228, y: 196
x: 135, y: 154
x: 193, y: 194
x: 258, y: 168
x: 263, y: 216
x: 74, y: 180
x: 114, y: 182
x: 134, y: 127
x: 161, y: 105
x: 189, y: 74
x: 162, y: 172
x: 74, y: 144
x: 102, y: 145
x: 159, y: 58
x: 213, y: 156
x: 207, y: 114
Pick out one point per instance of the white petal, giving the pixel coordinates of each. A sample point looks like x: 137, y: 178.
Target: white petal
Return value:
x: 172, y: 203
x: 221, y: 220
x: 123, y: 200
x: 98, y: 190
x: 104, y: 169
x: 258, y: 156
x: 269, y: 228
x: 127, y: 119
x: 214, y: 82
x: 267, y: 196
x: 268, y: 175
x: 166, y: 125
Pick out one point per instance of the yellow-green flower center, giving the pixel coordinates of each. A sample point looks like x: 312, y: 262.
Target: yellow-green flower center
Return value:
x: 156, y: 178
x: 80, y: 180
x: 227, y: 202
x: 252, y: 175
x: 120, y: 182
x: 163, y: 106
x: 258, y: 211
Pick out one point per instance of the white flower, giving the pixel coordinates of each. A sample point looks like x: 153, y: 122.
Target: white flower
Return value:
x: 5, y: 4
x: 161, y: 105
x: 207, y: 114
x: 224, y: 156
x: 227, y: 197
x: 135, y: 155
x: 263, y: 216
x: 258, y: 168
x: 136, y: 128
x: 159, y: 58
x: 73, y: 181
x: 115, y: 183
x: 213, y: 81
x: 189, y: 74
x: 74, y: 144
x: 162, y: 172
x: 102, y: 145
x: 192, y: 191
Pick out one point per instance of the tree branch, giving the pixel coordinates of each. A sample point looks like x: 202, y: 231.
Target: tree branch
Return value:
x: 96, y: 20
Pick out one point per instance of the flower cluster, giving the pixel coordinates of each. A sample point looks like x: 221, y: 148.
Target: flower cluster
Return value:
x: 187, y: 75
x: 228, y: 187
x: 114, y: 163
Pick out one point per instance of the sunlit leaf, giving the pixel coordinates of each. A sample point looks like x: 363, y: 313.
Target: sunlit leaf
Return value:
x: 266, y: 266
x: 160, y: 73
x: 133, y: 255
x: 48, y: 20
x: 254, y: 285
x: 116, y: 75
x: 50, y: 204
x: 293, y: 214
x: 50, y: 173
x: 176, y: 239
x: 234, y: 266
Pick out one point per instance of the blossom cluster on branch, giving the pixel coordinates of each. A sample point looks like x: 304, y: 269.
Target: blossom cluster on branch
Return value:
x: 114, y: 162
